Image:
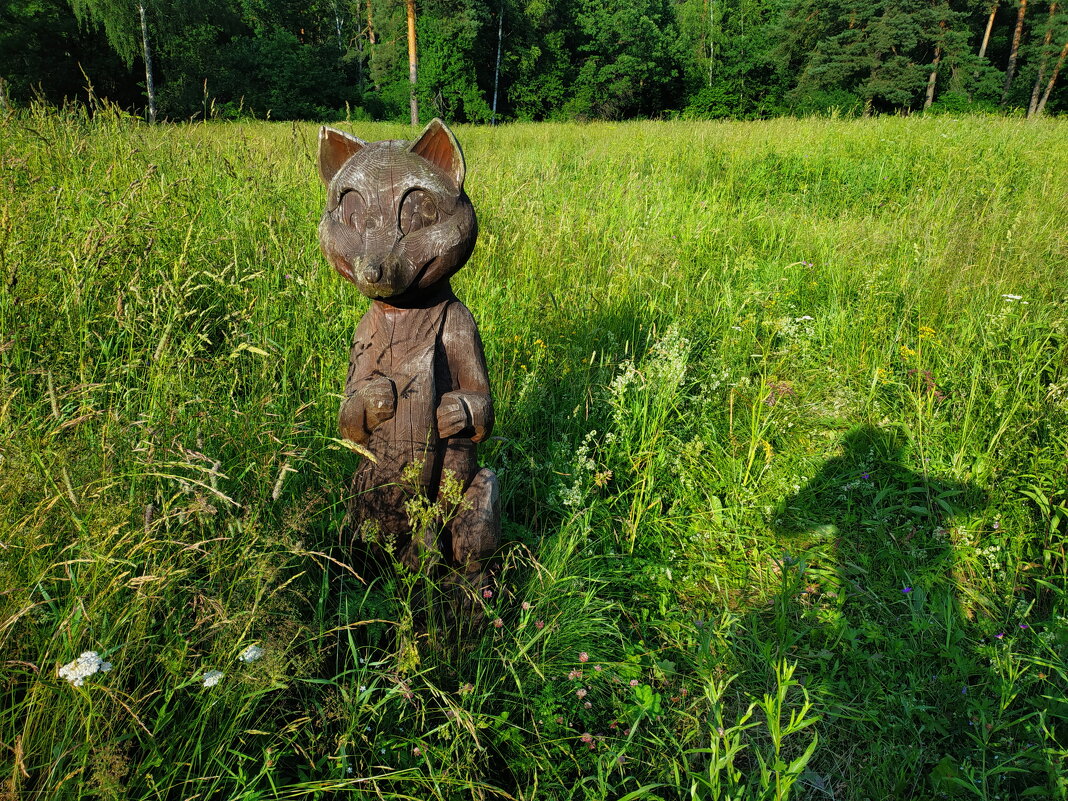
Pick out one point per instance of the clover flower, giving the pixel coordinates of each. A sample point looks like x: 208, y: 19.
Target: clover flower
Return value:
x: 526, y: 606
x: 584, y: 657
x: 86, y: 665
x: 213, y: 677
x: 586, y: 737
x: 487, y: 594
x: 498, y: 623
x: 581, y: 692
x: 539, y: 624
x: 250, y: 654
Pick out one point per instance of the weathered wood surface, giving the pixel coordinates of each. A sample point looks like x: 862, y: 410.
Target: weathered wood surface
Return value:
x: 398, y: 225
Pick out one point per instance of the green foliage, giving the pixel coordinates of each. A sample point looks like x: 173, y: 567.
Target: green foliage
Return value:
x: 782, y: 431
x: 573, y: 59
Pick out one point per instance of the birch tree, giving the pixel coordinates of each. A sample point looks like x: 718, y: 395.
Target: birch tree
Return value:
x: 125, y: 24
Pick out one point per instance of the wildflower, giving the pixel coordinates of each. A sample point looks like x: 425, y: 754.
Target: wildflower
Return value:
x: 906, y: 590
x: 865, y: 476
x: 498, y: 623
x: 417, y: 750
x: 581, y: 692
x: 560, y: 720
x: 83, y: 667
x: 1000, y: 635
x: 776, y: 391
x: 467, y: 688
x: 487, y: 593
x: 584, y: 657
x: 250, y: 654
x: 586, y: 737
x: 997, y: 525
x: 1012, y: 298
x: 1024, y: 626
x: 588, y: 705
x: 720, y: 731
x: 213, y: 677
x: 526, y: 606
x: 804, y: 319
x: 575, y: 674
x: 598, y: 668
x: 539, y: 624
x: 622, y: 758
x: 633, y: 682
x: 926, y: 332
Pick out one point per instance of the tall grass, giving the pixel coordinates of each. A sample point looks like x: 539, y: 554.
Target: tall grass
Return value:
x: 782, y: 436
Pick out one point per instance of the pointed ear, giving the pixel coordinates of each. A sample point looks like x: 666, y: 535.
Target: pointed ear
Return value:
x: 438, y: 146
x: 335, y: 148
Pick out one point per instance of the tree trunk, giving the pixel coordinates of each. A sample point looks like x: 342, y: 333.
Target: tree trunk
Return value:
x: 1043, y: 59
x: 497, y: 67
x: 711, y: 39
x: 989, y: 27
x: 370, y: 25
x: 1052, y: 80
x: 1010, y: 70
x: 150, y: 86
x: 413, y: 73
x: 933, y: 77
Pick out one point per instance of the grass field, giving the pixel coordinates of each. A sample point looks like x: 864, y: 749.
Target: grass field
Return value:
x: 782, y: 435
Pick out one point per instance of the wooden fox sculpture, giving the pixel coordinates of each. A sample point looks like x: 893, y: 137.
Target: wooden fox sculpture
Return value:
x: 398, y: 225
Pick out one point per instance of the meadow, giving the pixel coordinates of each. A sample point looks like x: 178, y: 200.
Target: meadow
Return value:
x: 782, y: 434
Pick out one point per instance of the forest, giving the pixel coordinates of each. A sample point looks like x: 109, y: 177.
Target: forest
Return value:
x: 482, y: 61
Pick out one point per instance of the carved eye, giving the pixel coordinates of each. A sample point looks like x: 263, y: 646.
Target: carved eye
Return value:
x: 353, y: 208
x: 417, y: 211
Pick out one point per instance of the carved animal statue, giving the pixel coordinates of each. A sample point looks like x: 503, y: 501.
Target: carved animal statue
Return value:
x: 398, y: 225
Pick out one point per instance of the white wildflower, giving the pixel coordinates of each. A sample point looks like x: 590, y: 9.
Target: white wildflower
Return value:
x: 250, y: 654
x: 83, y: 667
x: 213, y: 677
x: 805, y: 318
x: 1012, y: 298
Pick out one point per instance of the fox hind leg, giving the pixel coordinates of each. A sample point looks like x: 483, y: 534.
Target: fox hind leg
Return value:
x: 476, y: 530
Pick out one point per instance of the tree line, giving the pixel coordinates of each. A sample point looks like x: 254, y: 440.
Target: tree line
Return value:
x: 493, y: 60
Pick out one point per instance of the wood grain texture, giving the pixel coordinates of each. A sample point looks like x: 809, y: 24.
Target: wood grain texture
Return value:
x: 398, y: 225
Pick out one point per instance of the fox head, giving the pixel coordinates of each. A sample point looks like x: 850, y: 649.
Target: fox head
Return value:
x: 397, y: 220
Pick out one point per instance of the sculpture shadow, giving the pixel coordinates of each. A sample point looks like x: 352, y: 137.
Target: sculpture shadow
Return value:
x: 873, y: 604
x: 869, y: 488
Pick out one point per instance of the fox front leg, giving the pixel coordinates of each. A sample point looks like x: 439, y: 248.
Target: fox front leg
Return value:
x: 370, y: 397
x: 367, y: 406
x: 466, y: 410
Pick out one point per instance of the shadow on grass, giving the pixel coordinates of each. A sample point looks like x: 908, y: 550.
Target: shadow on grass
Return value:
x: 880, y: 608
